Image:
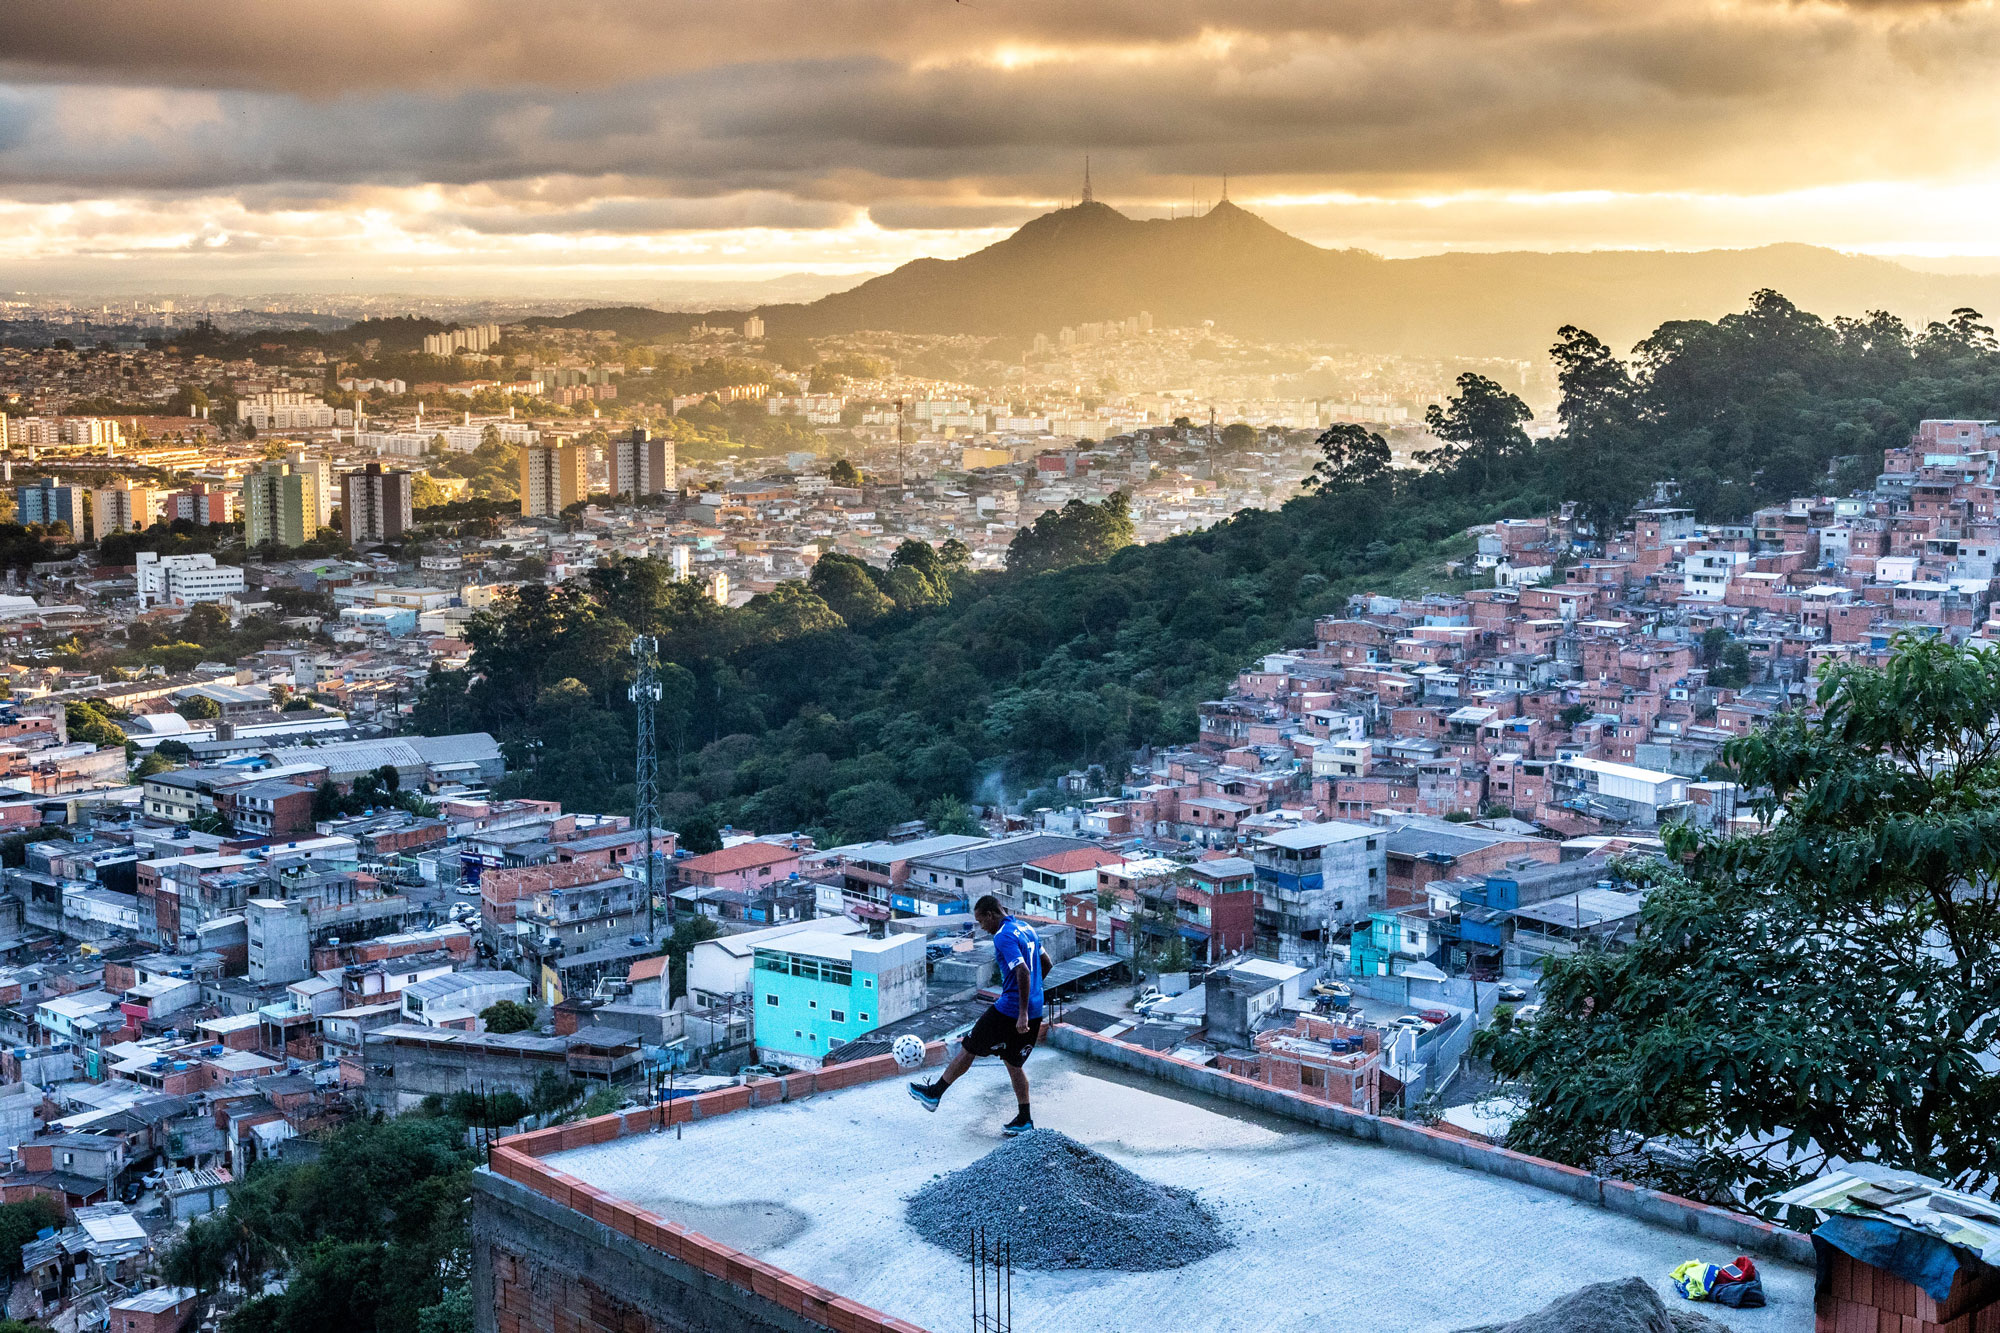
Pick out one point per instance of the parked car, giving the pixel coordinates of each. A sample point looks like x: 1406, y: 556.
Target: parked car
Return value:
x: 1147, y: 998
x: 1338, y: 990
x: 1413, y: 1022
x: 1434, y: 1015
x: 1512, y: 994
x: 1527, y: 1013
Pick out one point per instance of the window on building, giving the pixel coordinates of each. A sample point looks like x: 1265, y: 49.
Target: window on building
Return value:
x: 1310, y: 1077
x: 797, y: 1033
x: 837, y: 1015
x: 770, y: 999
x: 862, y: 1017
x: 869, y: 982
x: 812, y: 1004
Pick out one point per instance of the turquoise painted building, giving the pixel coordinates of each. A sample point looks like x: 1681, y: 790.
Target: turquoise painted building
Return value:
x: 812, y: 991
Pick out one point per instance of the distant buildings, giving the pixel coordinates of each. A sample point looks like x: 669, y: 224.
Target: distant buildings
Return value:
x: 45, y: 502
x: 280, y: 505
x: 641, y: 465
x: 200, y: 504
x: 182, y: 580
x: 475, y: 339
x: 320, y: 470
x: 285, y: 411
x: 122, y: 507
x: 552, y: 478
x: 375, y: 504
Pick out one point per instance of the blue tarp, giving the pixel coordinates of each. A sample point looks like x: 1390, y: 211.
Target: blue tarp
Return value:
x: 1910, y: 1255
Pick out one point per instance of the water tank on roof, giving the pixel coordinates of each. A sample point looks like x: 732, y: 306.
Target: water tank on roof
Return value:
x: 180, y: 1066
x: 217, y: 1049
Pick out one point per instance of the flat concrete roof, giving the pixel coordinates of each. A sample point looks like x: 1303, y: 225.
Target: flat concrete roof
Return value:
x: 1331, y: 1233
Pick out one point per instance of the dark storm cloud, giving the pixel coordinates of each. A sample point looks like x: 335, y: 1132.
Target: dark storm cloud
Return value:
x: 633, y: 117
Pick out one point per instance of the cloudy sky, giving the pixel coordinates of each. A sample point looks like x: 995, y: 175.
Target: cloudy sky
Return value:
x: 494, y: 146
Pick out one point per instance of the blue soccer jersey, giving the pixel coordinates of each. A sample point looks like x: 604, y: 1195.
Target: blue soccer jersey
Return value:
x: 1016, y: 945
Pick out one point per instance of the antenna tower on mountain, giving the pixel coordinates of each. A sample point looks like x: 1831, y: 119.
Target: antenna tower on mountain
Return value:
x: 1087, y: 196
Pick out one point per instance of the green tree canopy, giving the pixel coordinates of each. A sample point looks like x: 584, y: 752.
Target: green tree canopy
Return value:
x: 1078, y: 533
x: 1481, y: 430
x: 1350, y: 457
x: 847, y: 585
x: 87, y: 722
x: 504, y: 1016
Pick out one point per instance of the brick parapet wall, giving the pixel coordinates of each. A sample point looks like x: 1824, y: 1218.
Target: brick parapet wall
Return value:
x: 573, y: 1302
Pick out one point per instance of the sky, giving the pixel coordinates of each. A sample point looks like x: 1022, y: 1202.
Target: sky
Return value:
x: 488, y: 147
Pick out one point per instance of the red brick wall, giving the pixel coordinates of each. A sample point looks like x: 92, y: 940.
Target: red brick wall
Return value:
x: 532, y: 1298
x: 1861, y: 1298
x: 152, y: 1321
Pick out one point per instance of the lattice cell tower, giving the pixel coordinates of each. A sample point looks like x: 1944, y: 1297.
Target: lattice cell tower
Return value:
x: 645, y: 693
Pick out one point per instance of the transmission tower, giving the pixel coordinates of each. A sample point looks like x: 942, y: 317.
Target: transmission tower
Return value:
x: 645, y: 692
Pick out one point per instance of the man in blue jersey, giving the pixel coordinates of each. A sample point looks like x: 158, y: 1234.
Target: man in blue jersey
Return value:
x: 1007, y: 1029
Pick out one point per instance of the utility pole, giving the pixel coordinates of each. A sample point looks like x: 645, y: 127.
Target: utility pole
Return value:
x: 645, y: 692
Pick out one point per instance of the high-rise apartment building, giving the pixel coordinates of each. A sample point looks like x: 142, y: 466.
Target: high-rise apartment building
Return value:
x: 320, y: 470
x: 640, y: 465
x: 122, y: 507
x: 45, y: 502
x: 552, y: 478
x: 200, y: 504
x: 279, y: 505
x: 375, y: 504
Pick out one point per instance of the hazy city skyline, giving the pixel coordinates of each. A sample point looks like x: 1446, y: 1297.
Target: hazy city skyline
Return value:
x: 477, y: 148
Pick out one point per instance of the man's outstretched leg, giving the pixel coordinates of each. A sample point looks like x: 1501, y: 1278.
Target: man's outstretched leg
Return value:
x: 928, y: 1095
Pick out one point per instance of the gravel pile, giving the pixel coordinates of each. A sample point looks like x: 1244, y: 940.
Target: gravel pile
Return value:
x: 1060, y: 1205
x: 1630, y: 1306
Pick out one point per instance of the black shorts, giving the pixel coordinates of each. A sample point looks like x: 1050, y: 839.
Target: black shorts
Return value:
x: 995, y: 1034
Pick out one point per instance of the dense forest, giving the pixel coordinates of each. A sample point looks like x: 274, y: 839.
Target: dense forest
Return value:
x: 868, y: 696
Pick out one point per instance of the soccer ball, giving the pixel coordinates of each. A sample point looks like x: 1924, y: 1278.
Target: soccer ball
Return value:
x: 908, y: 1050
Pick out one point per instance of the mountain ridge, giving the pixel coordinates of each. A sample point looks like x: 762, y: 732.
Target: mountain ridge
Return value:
x: 1089, y: 262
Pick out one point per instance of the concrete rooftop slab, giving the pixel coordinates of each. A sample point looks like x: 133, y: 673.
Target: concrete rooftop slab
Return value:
x: 1331, y: 1233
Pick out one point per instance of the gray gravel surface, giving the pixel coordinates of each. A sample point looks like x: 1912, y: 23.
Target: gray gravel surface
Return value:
x: 1060, y: 1205
x: 1630, y: 1306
